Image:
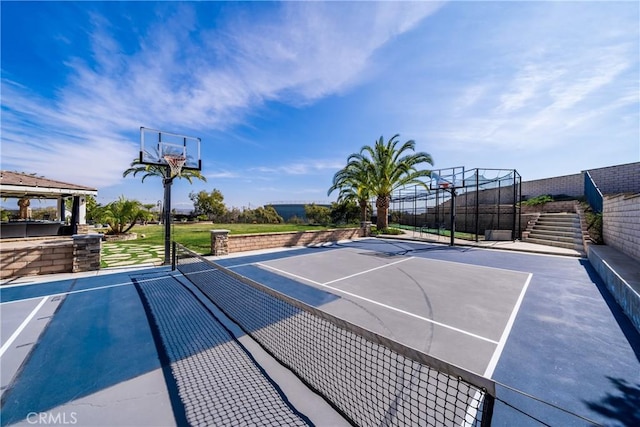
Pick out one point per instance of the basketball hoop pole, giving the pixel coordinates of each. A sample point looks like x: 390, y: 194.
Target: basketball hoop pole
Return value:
x: 167, y: 217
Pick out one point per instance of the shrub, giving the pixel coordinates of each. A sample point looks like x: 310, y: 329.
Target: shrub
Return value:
x: 388, y: 231
x: 295, y: 220
x: 539, y: 200
x: 594, y: 224
x: 317, y: 214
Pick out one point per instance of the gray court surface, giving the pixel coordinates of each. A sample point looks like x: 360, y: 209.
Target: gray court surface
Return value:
x: 145, y: 347
x: 456, y: 312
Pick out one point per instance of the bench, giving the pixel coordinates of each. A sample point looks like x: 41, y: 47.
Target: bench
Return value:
x: 621, y: 275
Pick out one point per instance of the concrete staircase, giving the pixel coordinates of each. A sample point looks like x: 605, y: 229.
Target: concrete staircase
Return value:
x: 561, y: 230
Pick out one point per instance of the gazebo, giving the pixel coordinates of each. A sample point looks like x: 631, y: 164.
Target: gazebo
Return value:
x: 24, y: 187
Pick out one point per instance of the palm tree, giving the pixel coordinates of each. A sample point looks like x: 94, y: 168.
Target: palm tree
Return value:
x: 388, y: 168
x: 161, y: 171
x: 353, y: 183
x: 122, y: 214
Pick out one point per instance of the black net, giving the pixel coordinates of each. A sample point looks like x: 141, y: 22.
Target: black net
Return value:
x: 218, y: 383
x: 369, y: 378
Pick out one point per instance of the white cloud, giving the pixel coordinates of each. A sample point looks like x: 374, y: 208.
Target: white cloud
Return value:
x: 297, y: 53
x: 223, y: 175
x: 82, y: 153
x: 568, y: 85
x: 303, y: 167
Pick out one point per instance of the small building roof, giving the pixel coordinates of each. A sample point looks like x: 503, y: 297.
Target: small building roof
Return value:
x: 16, y: 184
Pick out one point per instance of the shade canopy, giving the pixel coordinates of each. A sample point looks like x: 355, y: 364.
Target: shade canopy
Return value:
x: 19, y: 185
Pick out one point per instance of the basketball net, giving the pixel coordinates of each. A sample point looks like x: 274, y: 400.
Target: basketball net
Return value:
x: 175, y: 163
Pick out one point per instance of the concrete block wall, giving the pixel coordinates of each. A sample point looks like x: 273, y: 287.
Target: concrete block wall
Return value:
x: 621, y: 223
x: 617, y: 179
x: 504, y: 195
x: 610, y: 180
x: 250, y: 242
x: 571, y: 185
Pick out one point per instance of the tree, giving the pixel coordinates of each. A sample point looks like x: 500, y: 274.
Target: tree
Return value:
x: 232, y: 215
x: 209, y: 204
x: 247, y: 216
x: 267, y: 215
x: 163, y: 172
x: 355, y: 186
x: 317, y: 214
x: 92, y: 208
x: 388, y: 167
x: 160, y: 171
x: 122, y: 215
x: 345, y: 212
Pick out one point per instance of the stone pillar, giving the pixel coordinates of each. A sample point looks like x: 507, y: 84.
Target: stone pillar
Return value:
x: 86, y: 252
x: 219, y: 242
x: 365, y: 228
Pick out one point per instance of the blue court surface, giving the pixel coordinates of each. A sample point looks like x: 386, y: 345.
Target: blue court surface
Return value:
x: 84, y: 348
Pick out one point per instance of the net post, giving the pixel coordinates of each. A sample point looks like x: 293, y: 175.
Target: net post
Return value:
x: 487, y: 410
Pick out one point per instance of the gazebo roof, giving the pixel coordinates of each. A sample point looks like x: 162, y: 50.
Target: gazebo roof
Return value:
x: 15, y: 184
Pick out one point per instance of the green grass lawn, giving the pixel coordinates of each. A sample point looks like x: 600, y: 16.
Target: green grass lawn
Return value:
x: 441, y: 232
x: 197, y: 236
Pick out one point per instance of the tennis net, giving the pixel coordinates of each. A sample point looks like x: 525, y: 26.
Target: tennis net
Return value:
x: 368, y: 378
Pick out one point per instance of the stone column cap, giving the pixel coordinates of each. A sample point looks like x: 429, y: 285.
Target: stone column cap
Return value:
x: 87, y: 236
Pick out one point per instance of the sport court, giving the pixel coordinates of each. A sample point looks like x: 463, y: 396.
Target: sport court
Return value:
x: 456, y: 312
x: 517, y: 318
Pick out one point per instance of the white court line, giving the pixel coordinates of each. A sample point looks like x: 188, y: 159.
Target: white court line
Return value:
x: 470, y: 265
x: 488, y: 373
x: 244, y: 264
x: 407, y: 313
x: 85, y: 290
x: 367, y: 271
x: 23, y: 325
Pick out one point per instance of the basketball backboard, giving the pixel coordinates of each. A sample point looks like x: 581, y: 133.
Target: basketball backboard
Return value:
x: 447, y: 178
x: 158, y: 146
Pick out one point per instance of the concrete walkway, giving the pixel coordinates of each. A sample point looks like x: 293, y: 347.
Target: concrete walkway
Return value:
x: 487, y: 244
x: 118, y: 255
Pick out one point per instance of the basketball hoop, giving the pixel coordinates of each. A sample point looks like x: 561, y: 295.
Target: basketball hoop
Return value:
x: 175, y: 162
x: 444, y: 184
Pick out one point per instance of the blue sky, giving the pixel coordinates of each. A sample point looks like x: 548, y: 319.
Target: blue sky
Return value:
x: 282, y: 93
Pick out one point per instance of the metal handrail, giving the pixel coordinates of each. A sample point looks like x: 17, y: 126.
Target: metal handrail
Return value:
x: 592, y: 193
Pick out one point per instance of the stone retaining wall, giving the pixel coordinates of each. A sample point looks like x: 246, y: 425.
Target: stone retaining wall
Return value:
x: 27, y: 258
x: 251, y: 242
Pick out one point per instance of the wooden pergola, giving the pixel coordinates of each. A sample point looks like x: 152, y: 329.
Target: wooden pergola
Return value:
x: 24, y: 187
